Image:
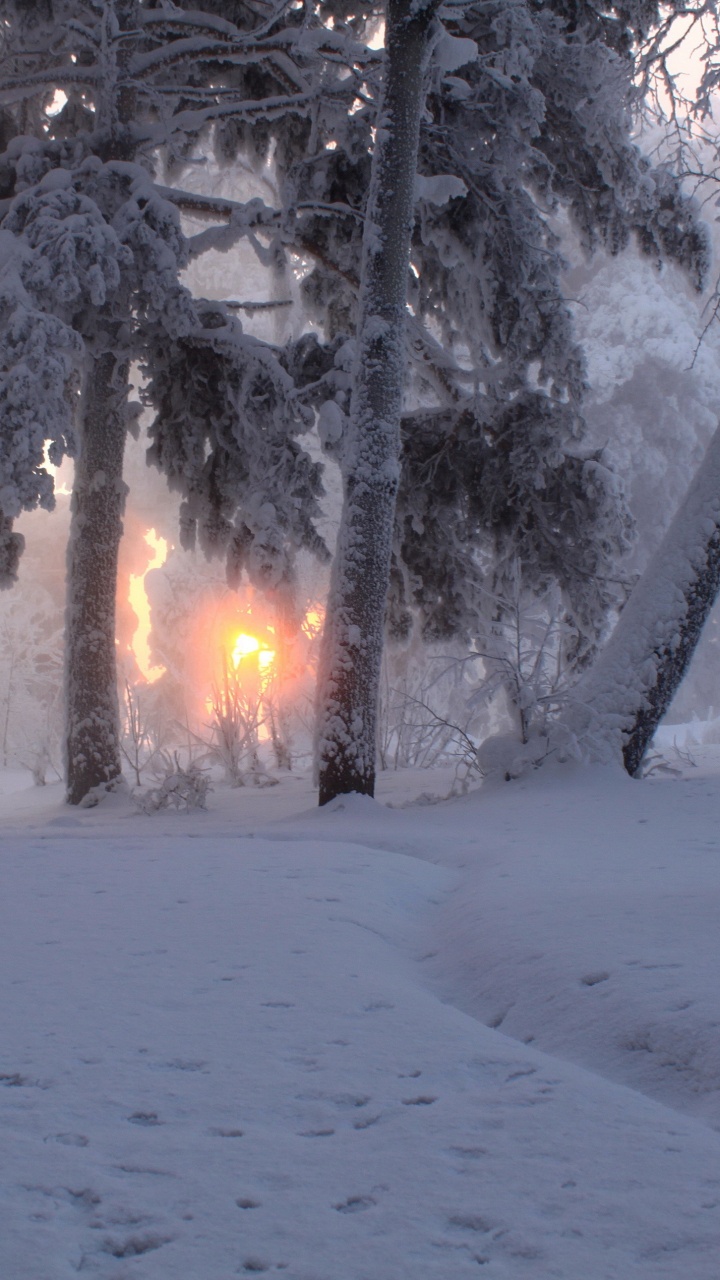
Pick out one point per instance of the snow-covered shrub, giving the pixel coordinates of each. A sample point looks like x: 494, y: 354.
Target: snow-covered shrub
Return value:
x: 183, y: 788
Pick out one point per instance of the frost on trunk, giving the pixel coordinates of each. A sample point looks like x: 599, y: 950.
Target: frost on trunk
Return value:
x: 92, y: 736
x: 619, y: 703
x: 352, y: 640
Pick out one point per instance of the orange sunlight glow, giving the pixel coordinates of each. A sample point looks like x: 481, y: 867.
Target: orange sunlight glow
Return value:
x: 256, y: 673
x: 140, y: 604
x: 254, y: 666
x: 59, y: 484
x: 245, y: 646
x: 312, y: 623
x: 250, y: 662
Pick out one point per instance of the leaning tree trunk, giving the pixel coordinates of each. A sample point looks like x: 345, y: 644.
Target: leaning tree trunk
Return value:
x: 92, y: 747
x: 617, y: 706
x: 353, y: 635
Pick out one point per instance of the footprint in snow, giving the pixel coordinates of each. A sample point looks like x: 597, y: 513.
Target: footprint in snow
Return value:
x: 147, y: 1119
x: 350, y: 1100
x: 135, y: 1246
x: 366, y: 1122
x: 593, y: 979
x: 471, y: 1222
x: 355, y: 1204
x: 84, y: 1199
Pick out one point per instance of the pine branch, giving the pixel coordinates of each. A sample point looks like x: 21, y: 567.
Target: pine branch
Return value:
x: 218, y: 206
x: 252, y: 307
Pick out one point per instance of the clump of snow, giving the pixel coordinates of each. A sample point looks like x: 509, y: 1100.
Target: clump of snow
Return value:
x: 453, y: 52
x: 439, y: 189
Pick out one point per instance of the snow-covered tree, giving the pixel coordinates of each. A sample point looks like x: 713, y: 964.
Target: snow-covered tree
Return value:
x: 616, y: 706
x: 654, y: 387
x: 353, y: 636
x: 93, y: 251
x: 528, y: 112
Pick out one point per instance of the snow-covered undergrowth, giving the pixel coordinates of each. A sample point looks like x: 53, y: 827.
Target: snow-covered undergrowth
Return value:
x: 473, y: 1038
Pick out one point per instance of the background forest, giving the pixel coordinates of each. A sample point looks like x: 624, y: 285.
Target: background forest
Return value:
x: 558, y: 400
x: 653, y: 402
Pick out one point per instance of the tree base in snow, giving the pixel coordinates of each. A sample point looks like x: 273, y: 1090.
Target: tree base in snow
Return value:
x: 338, y: 777
x: 92, y: 796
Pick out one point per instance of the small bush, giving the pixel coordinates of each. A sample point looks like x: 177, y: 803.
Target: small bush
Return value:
x: 181, y: 788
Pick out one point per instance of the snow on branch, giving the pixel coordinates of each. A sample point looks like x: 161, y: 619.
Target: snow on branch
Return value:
x: 225, y: 430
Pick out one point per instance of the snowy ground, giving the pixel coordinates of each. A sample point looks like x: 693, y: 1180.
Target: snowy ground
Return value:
x: 431, y: 1042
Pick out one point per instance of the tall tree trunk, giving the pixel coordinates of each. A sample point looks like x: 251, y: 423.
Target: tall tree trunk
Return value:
x: 353, y: 635
x: 92, y: 717
x: 618, y: 704
x: 92, y: 735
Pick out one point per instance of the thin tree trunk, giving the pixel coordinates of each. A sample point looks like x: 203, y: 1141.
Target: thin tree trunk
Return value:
x: 92, y: 732
x: 618, y: 704
x: 8, y: 703
x: 287, y: 627
x: 353, y: 635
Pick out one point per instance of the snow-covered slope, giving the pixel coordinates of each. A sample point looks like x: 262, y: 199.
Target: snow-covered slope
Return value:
x: 254, y: 1040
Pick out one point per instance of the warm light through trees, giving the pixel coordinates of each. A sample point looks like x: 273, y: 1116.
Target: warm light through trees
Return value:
x: 140, y: 605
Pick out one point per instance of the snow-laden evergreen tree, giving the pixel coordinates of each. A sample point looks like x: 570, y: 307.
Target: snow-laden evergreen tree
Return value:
x: 93, y: 252
x: 528, y: 111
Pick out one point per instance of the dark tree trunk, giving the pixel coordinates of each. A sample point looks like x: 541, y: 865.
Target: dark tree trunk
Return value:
x: 348, y: 687
x: 92, y: 746
x: 673, y: 659
x: 617, y: 706
x: 92, y: 724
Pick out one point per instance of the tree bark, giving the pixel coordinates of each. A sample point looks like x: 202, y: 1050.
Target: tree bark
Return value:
x: 92, y: 715
x: 618, y: 704
x: 349, y: 676
x: 92, y: 734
